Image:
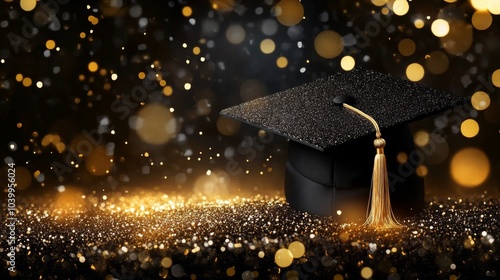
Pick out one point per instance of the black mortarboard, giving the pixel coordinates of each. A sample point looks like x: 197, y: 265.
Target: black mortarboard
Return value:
x: 330, y: 157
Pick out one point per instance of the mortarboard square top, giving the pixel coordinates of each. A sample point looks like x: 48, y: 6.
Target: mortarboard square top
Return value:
x: 307, y: 114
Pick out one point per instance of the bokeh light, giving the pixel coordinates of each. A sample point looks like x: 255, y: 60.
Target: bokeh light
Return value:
x: 99, y: 162
x: 289, y: 12
x: 235, y: 34
x: 419, y: 23
x: 93, y: 66
x: 223, y: 5
x: 23, y: 178
x: 28, y: 5
x: 297, y: 249
x: 283, y: 257
x: 495, y: 78
x: 282, y: 62
x: 228, y: 126
x: 379, y: 2
x: 187, y: 11
x: 415, y: 72
x: 470, y: 167
x: 267, y: 46
x: 328, y: 44
x: 406, y: 47
x: 437, y: 62
x: 155, y: 124
x: 481, y: 20
x: 421, y: 138
x: 50, y: 44
x: 212, y: 184
x: 480, y: 100
x: 440, y: 28
x: 400, y: 7
x: 366, y: 272
x: 469, y: 128
x: 480, y: 5
x: 347, y: 63
x: 459, y: 39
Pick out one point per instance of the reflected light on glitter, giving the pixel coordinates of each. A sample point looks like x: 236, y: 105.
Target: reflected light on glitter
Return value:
x: 470, y: 167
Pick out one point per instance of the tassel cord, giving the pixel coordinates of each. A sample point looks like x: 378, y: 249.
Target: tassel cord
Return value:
x: 379, y: 211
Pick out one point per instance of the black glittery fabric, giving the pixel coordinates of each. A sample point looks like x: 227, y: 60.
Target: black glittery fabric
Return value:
x: 307, y: 113
x: 150, y: 235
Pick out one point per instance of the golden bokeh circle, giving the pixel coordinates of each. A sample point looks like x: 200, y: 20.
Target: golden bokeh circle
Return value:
x: 289, y: 12
x: 328, y: 44
x: 470, y: 167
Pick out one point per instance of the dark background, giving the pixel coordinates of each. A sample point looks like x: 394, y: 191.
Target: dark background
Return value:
x: 204, y: 150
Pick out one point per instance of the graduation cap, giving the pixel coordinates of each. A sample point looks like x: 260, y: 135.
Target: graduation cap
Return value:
x: 332, y: 123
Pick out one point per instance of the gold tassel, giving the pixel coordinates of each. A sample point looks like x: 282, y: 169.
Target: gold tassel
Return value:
x: 380, y: 213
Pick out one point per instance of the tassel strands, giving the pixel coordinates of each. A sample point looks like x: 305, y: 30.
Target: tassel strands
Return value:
x: 380, y: 213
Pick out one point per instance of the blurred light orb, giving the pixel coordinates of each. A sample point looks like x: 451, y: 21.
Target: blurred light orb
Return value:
x: 23, y: 178
x: 269, y: 27
x: 419, y: 23
x: 282, y: 62
x: 494, y: 7
x: 366, y: 272
x: 98, y: 162
x: 347, y: 63
x: 235, y: 34
x: 267, y: 46
x: 406, y: 47
x: 50, y: 44
x: 470, y: 167
x: 440, y: 27
x: 437, y: 62
x: 415, y: 72
x: 481, y: 20
x: 187, y: 11
x: 213, y: 185
x: 28, y: 5
x: 93, y: 66
x: 328, y: 44
x: 289, y: 12
x: 228, y: 126
x: 252, y: 89
x: 283, y: 257
x: 379, y: 2
x: 156, y: 124
x: 297, y: 249
x: 459, y: 39
x: 400, y: 7
x: 469, y: 128
x: 421, y: 138
x: 223, y: 5
x: 480, y: 5
x: 495, y: 78
x: 480, y: 100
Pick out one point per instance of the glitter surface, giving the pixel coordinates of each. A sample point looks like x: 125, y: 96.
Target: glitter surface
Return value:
x: 307, y: 113
x: 149, y: 235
